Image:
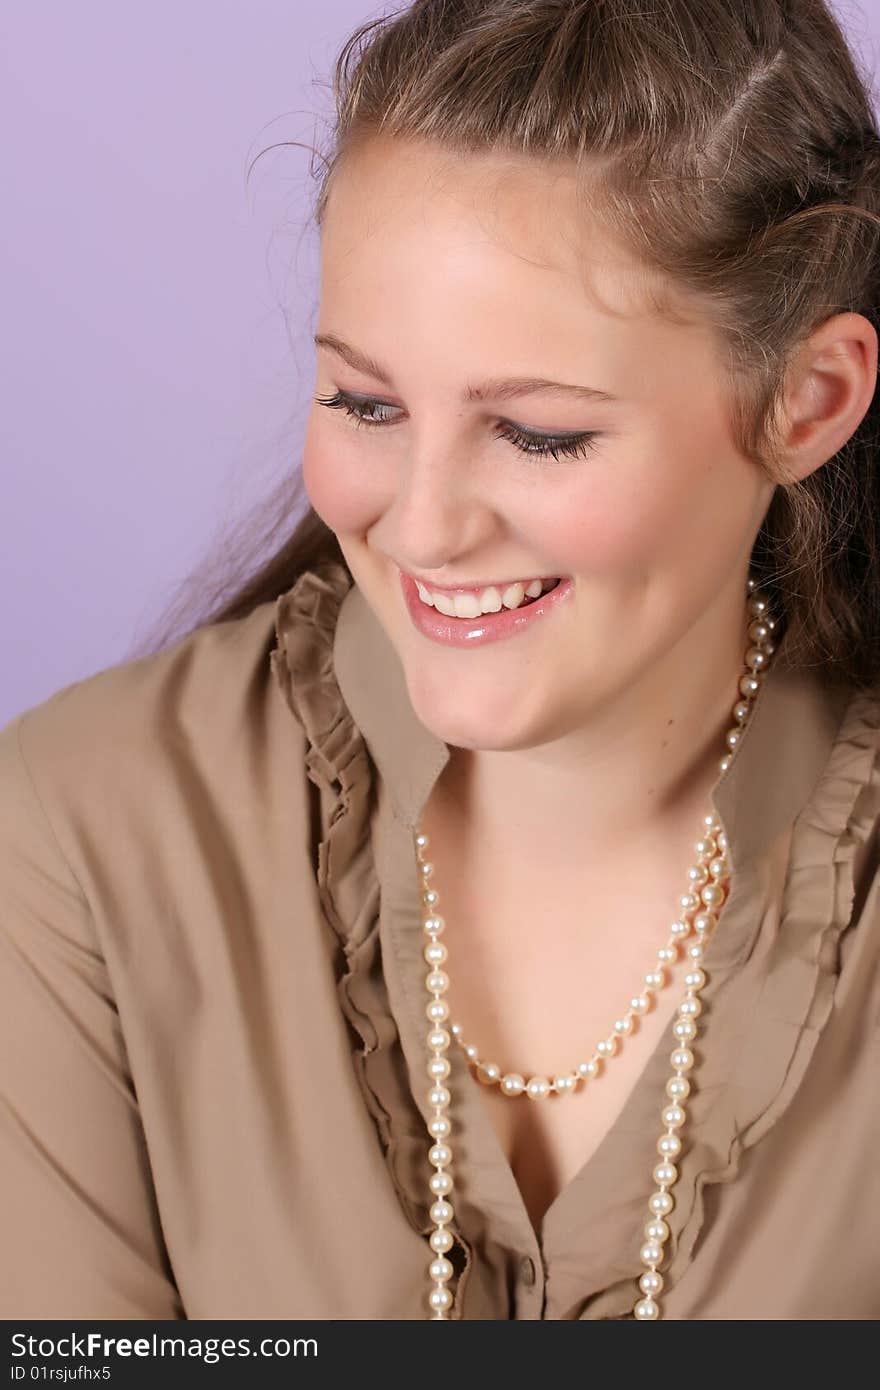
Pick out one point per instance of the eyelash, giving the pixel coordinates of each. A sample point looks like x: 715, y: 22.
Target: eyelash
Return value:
x: 573, y: 446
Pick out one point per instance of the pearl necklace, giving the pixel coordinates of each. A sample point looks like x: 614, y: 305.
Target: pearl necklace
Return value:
x: 698, y: 911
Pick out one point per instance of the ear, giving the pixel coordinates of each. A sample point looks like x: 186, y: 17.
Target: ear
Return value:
x: 829, y: 387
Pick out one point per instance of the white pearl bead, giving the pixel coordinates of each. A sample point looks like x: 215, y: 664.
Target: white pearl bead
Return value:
x: 537, y: 1087
x: 690, y: 1008
x: 426, y: 868
x: 688, y: 902
x: 565, y: 1082
x: 440, y: 1270
x: 657, y: 1229
x: 440, y: 1298
x: 646, y: 1310
x: 437, y: 1010
x: 440, y: 1184
x: 698, y: 873
x: 678, y: 1087
x: 440, y: 1155
x: 756, y: 659
x: 705, y: 922
x: 651, y: 1281
x: 438, y: 1068
x: 437, y: 982
x: 673, y: 1116
x: 665, y: 1174
x: 696, y: 950
x: 513, y: 1084
x: 667, y: 954
x: 441, y: 1240
x: 685, y: 1029
x: 439, y: 1096
x: 435, y: 953
x: 607, y: 1047
x: 434, y: 925
x: 695, y: 979
x: 712, y: 894
x: 682, y: 1058
x: 589, y: 1069
x: 439, y: 1039
x: 422, y: 841
x: 669, y: 1145
x: 489, y: 1072
x: 431, y: 897
x: 655, y: 979
x: 678, y: 928
x: 455, y: 1029
x: 470, y: 1052
x: 651, y: 1252
x: 661, y: 1203
x: 441, y: 1211
x: 439, y: 1127
x: 623, y: 1026
x: 639, y: 1004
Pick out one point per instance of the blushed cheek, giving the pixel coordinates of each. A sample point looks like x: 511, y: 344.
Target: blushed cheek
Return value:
x: 605, y: 532
x: 338, y: 487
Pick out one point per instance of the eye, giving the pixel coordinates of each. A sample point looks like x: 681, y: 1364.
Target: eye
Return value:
x: 362, y: 412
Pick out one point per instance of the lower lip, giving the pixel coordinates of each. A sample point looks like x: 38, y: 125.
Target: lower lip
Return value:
x: 488, y: 627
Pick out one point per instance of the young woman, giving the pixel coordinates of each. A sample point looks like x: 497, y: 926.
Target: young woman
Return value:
x: 477, y: 916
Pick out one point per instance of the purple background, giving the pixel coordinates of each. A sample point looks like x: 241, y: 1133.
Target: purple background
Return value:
x: 157, y: 364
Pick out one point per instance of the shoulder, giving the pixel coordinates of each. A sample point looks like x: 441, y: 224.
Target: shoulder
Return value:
x: 193, y: 725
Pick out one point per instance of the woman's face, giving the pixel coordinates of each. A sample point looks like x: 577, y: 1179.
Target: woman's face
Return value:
x: 448, y: 272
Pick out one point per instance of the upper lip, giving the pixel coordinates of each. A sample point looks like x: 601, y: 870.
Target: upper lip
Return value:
x: 477, y: 586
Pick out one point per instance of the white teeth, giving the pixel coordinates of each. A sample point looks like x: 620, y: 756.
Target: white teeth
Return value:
x: 513, y: 596
x: 466, y: 606
x: 489, y: 601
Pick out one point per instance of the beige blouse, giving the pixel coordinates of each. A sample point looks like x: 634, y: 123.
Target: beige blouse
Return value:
x: 212, y: 1030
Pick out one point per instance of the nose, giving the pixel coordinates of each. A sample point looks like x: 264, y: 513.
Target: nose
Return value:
x: 437, y: 513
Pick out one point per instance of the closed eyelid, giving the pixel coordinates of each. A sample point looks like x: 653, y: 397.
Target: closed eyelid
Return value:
x: 362, y: 398
x: 531, y: 443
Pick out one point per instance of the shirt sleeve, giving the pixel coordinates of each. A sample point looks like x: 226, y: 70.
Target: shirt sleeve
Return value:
x: 80, y: 1233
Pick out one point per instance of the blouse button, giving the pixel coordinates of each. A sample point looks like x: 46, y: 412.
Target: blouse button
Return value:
x: 527, y: 1270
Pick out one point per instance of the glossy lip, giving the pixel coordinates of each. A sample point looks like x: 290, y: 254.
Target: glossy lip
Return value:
x: 488, y: 627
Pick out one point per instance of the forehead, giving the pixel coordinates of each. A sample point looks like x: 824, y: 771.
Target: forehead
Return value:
x: 399, y: 201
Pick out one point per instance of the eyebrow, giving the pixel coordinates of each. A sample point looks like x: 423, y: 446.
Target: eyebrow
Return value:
x: 495, y: 388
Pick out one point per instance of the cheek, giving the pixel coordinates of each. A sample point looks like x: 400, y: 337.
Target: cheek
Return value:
x: 615, y: 521
x: 338, y: 482
x: 653, y: 510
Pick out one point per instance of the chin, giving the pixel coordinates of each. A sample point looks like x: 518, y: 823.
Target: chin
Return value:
x: 468, y: 718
